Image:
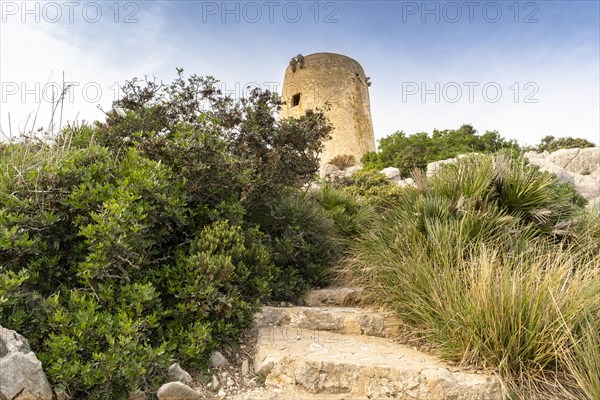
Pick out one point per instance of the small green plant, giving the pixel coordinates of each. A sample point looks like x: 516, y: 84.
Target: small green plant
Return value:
x: 350, y: 215
x: 261, y: 379
x: 343, y: 161
x: 372, y: 188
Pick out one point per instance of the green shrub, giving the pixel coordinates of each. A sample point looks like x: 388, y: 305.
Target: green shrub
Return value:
x: 350, y: 216
x: 99, y: 345
x: 149, y: 237
x: 551, y: 144
x: 372, y: 188
x: 213, y: 288
x: 302, y: 241
x: 511, y: 186
x: 408, y: 152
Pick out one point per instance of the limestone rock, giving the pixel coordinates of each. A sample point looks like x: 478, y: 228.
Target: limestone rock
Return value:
x: 434, y: 167
x: 546, y: 166
x: 332, y: 297
x: 252, y: 383
x: 61, y: 395
x: 215, y: 384
x: 348, y: 172
x: 177, y: 391
x: 586, y: 163
x: 587, y: 186
x: 391, y: 173
x: 245, y: 368
x: 217, y: 359
x: 577, y: 167
x: 354, y: 366
x: 534, y: 154
x: 176, y: 373
x: 406, y: 182
x: 290, y: 393
x: 21, y: 373
x: 563, y: 157
x: 330, y: 172
x: 346, y: 320
x: 136, y: 395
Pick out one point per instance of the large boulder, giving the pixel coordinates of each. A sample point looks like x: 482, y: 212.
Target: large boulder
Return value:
x: 391, y: 173
x: 563, y: 157
x: 587, y: 186
x: 547, y: 166
x: 21, y: 373
x: 330, y: 172
x: 406, y: 182
x: 585, y: 162
x: 348, y: 172
x: 577, y: 167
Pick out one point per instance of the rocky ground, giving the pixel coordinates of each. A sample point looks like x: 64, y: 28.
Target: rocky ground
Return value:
x: 327, y: 347
x: 330, y: 348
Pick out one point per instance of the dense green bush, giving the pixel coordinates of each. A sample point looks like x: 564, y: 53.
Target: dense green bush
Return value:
x: 302, y: 242
x: 408, y: 152
x: 155, y: 235
x: 372, y: 187
x: 350, y: 215
x: 497, y: 266
x: 550, y: 144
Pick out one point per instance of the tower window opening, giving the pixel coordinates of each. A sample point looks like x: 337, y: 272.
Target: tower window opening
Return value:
x: 296, y: 100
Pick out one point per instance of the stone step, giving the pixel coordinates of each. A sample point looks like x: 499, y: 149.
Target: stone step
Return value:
x: 358, y: 366
x: 340, y: 296
x: 347, y: 320
x: 287, y: 394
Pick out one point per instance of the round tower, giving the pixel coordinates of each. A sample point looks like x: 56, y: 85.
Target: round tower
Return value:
x: 318, y: 79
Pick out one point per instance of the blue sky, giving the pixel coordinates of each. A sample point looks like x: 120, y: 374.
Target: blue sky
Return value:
x: 526, y: 68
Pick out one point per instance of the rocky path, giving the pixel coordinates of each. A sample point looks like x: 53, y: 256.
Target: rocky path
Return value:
x: 332, y: 349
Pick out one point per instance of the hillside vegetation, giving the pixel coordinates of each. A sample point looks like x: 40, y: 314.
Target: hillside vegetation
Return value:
x: 407, y: 152
x: 153, y: 237
x: 495, y: 265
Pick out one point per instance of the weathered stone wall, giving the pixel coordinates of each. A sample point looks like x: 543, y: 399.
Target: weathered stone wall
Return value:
x: 322, y: 78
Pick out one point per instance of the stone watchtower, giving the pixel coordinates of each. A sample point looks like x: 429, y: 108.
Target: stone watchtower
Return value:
x: 312, y: 81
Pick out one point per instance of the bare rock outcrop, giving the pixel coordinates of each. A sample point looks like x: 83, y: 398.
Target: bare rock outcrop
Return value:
x: 577, y: 167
